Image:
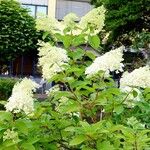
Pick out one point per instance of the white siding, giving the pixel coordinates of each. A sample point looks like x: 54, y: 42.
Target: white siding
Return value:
x: 63, y: 7
x: 35, y: 2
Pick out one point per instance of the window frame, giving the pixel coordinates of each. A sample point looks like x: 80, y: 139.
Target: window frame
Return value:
x: 35, y: 13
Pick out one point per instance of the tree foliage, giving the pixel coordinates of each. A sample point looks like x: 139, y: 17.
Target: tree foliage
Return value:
x: 125, y: 16
x: 17, y: 33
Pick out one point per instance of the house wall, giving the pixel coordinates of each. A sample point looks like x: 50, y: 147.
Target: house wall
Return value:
x: 63, y: 7
x: 58, y: 8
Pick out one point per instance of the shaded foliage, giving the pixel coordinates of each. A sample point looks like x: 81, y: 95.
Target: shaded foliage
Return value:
x: 17, y: 33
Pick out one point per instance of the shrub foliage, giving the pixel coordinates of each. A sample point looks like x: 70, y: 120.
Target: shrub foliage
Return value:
x: 17, y: 32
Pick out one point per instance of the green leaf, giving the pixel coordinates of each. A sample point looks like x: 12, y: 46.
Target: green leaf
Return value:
x: 78, y: 40
x: 84, y: 124
x: 94, y: 41
x: 114, y: 91
x: 67, y: 39
x: 5, y: 116
x: 104, y: 145
x: 78, y: 140
x: 59, y: 94
x: 78, y: 53
x: 135, y: 93
x: 90, y: 55
x: 3, y: 102
x: 22, y: 126
x: 71, y: 106
x: 118, y: 109
x: 70, y: 129
x: 28, y: 146
x: 45, y: 34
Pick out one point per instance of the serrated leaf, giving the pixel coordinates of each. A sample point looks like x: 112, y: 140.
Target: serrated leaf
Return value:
x: 104, y: 146
x: 71, y: 106
x: 135, y: 93
x: 45, y: 34
x: 70, y: 129
x: 94, y: 41
x: 21, y: 126
x: 78, y: 53
x: 118, y: 109
x: 5, y: 116
x: 28, y: 146
x: 78, y: 40
x: 90, y: 55
x: 78, y: 140
x: 67, y: 41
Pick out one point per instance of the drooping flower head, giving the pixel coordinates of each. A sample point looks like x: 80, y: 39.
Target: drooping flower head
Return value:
x: 22, y: 97
x: 137, y: 78
x: 94, y: 18
x: 110, y: 61
x: 46, y: 23
x: 52, y: 60
x: 70, y: 20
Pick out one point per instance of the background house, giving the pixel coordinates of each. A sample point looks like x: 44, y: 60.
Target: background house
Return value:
x: 57, y: 8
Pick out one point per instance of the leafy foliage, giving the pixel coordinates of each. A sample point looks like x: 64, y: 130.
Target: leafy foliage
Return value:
x: 125, y: 16
x: 6, y: 86
x: 18, y: 33
x: 83, y: 113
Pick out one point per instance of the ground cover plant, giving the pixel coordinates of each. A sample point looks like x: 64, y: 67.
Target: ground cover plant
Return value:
x: 86, y: 109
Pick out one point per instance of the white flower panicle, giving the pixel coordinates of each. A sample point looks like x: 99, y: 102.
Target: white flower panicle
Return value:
x: 22, y: 97
x: 137, y: 78
x: 52, y: 60
x: 94, y: 18
x: 46, y: 23
x: 110, y: 61
x: 10, y: 135
x: 70, y: 20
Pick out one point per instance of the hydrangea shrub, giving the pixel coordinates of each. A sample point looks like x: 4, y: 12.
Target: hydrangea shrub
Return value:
x: 85, y: 109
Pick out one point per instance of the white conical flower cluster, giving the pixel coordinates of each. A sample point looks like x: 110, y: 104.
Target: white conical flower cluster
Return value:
x: 52, y: 60
x: 46, y: 23
x: 70, y: 20
x: 95, y: 19
x: 22, y: 97
x: 137, y: 78
x: 110, y: 61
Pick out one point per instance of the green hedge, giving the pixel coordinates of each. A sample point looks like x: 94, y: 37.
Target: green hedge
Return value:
x: 6, y: 86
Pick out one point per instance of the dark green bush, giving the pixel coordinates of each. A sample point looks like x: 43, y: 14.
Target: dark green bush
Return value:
x: 6, y: 86
x: 17, y: 30
x: 124, y: 16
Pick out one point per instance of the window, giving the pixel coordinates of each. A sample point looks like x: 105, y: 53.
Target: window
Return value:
x: 67, y: 6
x: 41, y: 9
x: 36, y: 9
x: 31, y: 8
